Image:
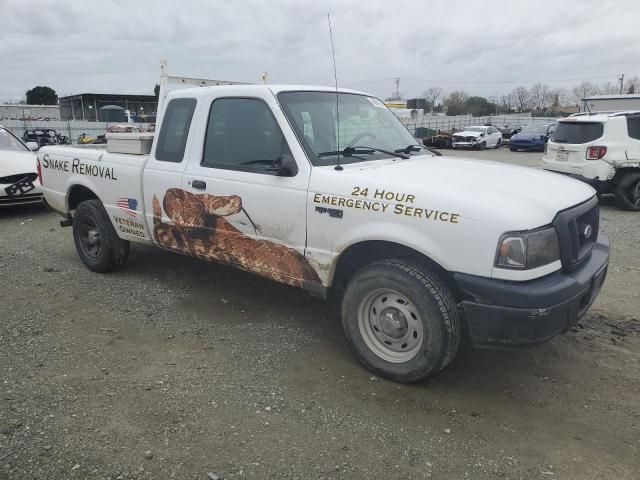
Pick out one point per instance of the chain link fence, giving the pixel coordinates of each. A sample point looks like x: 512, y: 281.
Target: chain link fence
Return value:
x: 428, y: 125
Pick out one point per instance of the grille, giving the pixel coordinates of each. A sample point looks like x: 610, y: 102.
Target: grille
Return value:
x: 11, y: 179
x: 577, y: 229
x: 584, y: 233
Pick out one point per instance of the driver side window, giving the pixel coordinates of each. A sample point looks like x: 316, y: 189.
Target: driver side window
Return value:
x: 242, y: 134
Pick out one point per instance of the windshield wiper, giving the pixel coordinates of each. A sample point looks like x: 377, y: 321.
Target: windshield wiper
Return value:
x: 409, y: 149
x: 360, y: 150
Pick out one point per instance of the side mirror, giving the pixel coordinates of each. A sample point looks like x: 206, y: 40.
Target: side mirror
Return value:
x: 33, y: 146
x: 284, y: 166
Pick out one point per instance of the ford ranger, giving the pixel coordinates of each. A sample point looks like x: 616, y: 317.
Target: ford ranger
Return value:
x: 420, y: 249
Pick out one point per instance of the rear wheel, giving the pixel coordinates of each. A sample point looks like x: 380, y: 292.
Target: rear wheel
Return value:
x: 97, y: 243
x: 628, y: 192
x: 400, y: 320
x: 513, y: 149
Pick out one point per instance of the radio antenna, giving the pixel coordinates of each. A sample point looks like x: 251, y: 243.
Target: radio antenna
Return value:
x: 335, y: 77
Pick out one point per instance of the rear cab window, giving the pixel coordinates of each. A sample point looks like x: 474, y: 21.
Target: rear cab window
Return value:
x: 577, y: 132
x: 174, y: 131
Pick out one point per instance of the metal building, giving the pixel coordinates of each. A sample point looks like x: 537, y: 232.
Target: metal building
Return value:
x: 87, y: 106
x: 604, y: 103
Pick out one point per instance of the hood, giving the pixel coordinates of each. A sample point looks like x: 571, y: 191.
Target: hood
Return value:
x: 465, y: 133
x: 483, y: 191
x: 527, y: 136
x: 13, y: 162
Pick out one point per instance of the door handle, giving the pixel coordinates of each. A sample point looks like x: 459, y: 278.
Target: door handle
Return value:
x: 199, y: 184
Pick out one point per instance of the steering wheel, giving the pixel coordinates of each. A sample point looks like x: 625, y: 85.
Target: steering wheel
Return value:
x: 359, y: 137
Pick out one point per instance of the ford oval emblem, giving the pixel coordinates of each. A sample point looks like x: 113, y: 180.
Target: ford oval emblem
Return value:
x: 587, y: 231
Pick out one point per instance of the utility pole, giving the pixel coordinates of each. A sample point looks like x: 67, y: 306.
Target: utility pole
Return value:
x: 621, y: 80
x: 397, y: 88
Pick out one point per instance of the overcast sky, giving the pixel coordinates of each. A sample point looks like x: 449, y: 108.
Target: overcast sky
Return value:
x: 482, y: 47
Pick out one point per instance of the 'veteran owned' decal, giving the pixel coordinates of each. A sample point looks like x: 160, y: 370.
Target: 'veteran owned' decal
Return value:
x: 78, y: 166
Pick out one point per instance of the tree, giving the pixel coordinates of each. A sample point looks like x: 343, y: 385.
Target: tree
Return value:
x: 42, y: 96
x: 454, y: 102
x: 156, y: 90
x: 634, y: 85
x: 507, y: 102
x: 521, y: 96
x: 585, y: 89
x: 432, y: 95
x: 479, y: 106
x: 540, y: 96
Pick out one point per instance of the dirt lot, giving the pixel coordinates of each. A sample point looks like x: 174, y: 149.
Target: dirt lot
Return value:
x: 172, y: 368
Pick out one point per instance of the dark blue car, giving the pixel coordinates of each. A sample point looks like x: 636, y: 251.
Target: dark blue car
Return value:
x: 532, y: 137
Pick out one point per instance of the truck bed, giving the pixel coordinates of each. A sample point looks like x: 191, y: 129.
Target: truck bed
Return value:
x: 116, y: 179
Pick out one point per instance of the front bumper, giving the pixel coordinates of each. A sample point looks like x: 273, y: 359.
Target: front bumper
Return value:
x: 526, y: 145
x: 506, y: 314
x: 465, y: 144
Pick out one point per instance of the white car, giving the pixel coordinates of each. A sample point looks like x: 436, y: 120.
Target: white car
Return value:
x: 601, y: 149
x: 19, y: 183
x: 477, y: 137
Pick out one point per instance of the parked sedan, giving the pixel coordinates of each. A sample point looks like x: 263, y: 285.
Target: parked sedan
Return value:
x: 18, y: 171
x: 532, y: 137
x: 477, y: 137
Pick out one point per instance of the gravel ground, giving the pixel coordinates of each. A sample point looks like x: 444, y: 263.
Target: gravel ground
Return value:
x: 173, y: 368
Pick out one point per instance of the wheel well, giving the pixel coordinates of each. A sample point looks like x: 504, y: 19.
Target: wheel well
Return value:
x: 79, y: 194
x: 357, y: 256
x: 621, y: 172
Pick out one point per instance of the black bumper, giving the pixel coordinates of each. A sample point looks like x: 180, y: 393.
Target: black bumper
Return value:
x: 506, y: 314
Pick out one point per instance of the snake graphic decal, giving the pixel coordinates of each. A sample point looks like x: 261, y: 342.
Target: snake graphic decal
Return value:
x: 200, y: 230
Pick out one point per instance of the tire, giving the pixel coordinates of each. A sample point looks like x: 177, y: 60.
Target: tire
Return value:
x: 405, y: 342
x: 482, y: 146
x: 627, y: 192
x: 513, y: 149
x: 498, y: 144
x: 97, y: 242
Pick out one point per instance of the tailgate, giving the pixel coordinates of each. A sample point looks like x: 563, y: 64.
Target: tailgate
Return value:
x: 567, y: 149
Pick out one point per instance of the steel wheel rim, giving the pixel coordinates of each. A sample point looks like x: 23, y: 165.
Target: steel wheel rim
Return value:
x: 89, y: 236
x: 390, y: 325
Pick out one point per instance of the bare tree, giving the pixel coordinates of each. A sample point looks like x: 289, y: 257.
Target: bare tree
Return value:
x: 540, y: 96
x: 633, y: 85
x: 521, y: 97
x: 583, y: 90
x: 454, y: 102
x: 507, y: 102
x: 607, y: 88
x: 432, y: 95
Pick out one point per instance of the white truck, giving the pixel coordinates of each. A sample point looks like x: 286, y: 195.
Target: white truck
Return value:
x: 420, y: 248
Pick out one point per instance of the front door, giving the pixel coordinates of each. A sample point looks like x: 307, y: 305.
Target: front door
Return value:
x: 244, y: 212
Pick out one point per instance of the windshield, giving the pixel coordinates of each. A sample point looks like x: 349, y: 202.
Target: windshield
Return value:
x: 535, y: 129
x: 9, y: 142
x: 364, y: 122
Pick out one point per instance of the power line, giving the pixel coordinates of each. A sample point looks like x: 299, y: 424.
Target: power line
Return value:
x: 486, y: 82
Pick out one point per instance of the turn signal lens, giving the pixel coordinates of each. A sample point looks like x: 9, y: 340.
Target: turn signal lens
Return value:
x: 596, y: 153
x: 40, y: 173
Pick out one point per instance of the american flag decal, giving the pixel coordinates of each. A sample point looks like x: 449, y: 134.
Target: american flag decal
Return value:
x: 128, y: 205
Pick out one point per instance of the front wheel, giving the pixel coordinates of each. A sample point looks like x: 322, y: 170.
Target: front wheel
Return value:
x: 628, y: 192
x: 400, y: 320
x: 498, y: 144
x: 97, y: 242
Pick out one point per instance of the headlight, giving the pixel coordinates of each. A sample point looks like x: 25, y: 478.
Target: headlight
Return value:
x: 523, y: 250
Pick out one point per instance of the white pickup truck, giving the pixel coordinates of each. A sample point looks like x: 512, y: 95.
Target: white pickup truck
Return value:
x: 420, y: 248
